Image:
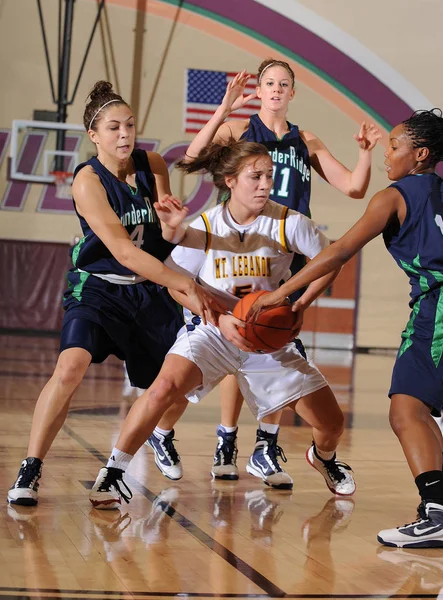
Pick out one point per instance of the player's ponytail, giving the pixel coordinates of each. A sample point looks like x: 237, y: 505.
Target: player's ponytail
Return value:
x: 223, y: 160
x: 100, y: 97
x: 425, y: 129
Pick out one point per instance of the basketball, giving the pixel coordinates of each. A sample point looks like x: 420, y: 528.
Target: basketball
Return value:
x: 273, y: 328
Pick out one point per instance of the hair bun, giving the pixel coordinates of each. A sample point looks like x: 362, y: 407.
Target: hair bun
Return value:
x: 100, y: 89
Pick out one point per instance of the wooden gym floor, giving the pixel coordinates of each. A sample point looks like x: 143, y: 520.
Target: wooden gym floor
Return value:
x: 195, y: 537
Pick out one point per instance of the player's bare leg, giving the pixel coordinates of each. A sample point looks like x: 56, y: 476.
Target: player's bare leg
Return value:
x: 49, y: 415
x: 321, y: 410
x: 177, y: 377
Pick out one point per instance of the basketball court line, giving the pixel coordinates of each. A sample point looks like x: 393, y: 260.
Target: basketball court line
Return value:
x: 54, y: 594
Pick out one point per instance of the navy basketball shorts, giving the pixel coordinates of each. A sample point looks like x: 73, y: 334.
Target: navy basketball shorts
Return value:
x: 138, y: 323
x: 418, y: 370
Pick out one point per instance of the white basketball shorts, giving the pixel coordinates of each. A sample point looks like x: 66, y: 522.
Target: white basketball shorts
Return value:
x: 268, y: 382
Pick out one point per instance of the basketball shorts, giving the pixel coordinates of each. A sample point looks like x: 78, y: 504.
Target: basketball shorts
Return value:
x: 267, y: 382
x: 418, y: 370
x: 138, y: 323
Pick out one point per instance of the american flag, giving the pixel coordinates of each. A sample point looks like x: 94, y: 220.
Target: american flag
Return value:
x: 204, y: 93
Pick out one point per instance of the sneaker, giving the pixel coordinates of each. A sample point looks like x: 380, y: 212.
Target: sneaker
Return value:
x: 338, y: 475
x: 423, y: 533
x: 25, y: 490
x: 166, y: 456
x: 263, y: 463
x: 225, y: 456
x: 106, y: 493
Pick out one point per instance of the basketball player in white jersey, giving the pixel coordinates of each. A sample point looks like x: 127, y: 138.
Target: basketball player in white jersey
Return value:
x: 245, y: 244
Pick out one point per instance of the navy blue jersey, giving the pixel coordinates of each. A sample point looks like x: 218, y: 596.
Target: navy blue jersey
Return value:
x: 136, y: 213
x: 417, y: 246
x: 291, y: 164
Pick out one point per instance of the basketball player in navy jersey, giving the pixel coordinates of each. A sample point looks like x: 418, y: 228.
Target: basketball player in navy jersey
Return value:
x: 409, y: 214
x: 293, y: 153
x: 248, y: 229
x: 114, y: 303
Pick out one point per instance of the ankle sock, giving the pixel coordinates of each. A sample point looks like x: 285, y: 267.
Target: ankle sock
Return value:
x: 269, y: 427
x: 163, y: 432
x: 228, y: 429
x: 119, y: 460
x: 323, y: 455
x: 430, y: 486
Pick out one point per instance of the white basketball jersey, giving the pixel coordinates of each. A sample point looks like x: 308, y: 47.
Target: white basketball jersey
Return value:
x: 234, y: 259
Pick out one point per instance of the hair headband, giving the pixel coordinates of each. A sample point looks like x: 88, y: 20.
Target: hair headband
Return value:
x: 101, y: 107
x: 274, y: 62
x: 267, y: 66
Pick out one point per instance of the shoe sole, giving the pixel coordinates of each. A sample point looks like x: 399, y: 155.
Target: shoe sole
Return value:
x: 424, y: 544
x: 328, y: 486
x: 226, y: 476
x: 278, y: 486
x: 105, y: 504
x: 23, y: 501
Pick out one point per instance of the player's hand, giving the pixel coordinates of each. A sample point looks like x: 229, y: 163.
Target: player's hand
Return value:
x: 234, y: 97
x: 170, y: 211
x: 204, y: 304
x: 229, y: 327
x: 271, y: 300
x: 368, y: 136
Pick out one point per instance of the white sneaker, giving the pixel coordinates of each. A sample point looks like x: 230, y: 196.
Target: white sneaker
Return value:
x: 263, y: 462
x: 24, y: 492
x: 106, y: 493
x: 166, y: 456
x: 225, y: 456
x: 423, y: 533
x: 338, y: 475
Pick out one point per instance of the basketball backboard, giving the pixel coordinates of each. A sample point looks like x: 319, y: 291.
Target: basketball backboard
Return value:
x: 33, y: 150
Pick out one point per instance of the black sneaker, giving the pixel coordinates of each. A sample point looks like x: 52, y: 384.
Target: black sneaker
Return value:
x: 25, y: 490
x: 263, y: 463
x: 166, y: 456
x: 225, y: 456
x: 106, y: 493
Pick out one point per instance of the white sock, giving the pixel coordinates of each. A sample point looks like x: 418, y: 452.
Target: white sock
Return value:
x: 323, y: 454
x: 228, y: 429
x: 163, y: 432
x: 268, y: 427
x: 119, y: 459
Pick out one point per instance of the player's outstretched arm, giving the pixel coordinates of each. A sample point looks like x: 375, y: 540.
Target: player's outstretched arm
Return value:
x: 381, y: 209
x: 216, y: 130
x: 352, y: 183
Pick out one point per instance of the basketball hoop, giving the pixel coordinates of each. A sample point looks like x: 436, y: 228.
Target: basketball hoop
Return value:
x: 62, y: 185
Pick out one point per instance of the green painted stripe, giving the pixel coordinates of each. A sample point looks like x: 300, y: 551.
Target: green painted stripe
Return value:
x: 289, y: 53
x: 76, y: 250
x: 78, y: 288
x: 437, y: 340
x: 424, y: 286
x: 409, y: 268
x: 407, y: 333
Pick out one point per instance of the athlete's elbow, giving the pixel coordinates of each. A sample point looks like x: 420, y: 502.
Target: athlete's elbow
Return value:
x: 357, y: 194
x: 124, y: 255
